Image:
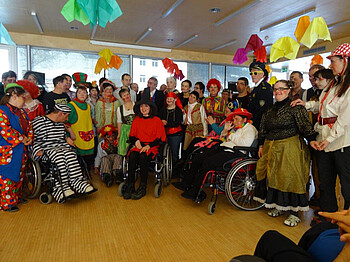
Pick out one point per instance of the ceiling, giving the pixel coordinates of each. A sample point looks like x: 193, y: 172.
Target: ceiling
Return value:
x: 189, y: 18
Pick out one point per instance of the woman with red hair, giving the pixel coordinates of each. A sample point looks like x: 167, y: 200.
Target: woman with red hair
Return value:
x: 214, y: 105
x: 32, y: 105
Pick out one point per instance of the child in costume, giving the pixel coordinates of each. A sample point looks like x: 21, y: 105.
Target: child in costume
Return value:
x: 32, y: 106
x: 107, y: 160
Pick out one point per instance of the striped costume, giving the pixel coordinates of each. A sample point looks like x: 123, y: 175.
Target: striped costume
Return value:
x: 50, y: 137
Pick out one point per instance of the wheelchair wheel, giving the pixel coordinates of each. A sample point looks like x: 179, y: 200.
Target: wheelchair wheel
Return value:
x: 240, y: 185
x: 45, y: 198
x: 121, y: 188
x: 211, y: 208
x: 124, y: 165
x: 32, y: 179
x: 167, y: 165
x: 157, y: 190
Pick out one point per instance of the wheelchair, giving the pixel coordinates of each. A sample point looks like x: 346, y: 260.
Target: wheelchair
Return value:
x: 237, y: 180
x: 41, y: 174
x: 161, y: 165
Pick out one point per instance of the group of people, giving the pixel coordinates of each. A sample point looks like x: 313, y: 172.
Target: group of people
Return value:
x: 102, y: 123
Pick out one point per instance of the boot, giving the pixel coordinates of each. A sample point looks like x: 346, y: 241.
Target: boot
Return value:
x: 140, y: 192
x: 130, y: 189
x: 119, y: 178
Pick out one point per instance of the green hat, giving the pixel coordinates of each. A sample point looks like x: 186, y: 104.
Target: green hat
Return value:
x: 12, y: 85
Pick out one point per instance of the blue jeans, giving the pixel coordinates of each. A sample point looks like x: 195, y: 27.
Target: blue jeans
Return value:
x: 174, y: 143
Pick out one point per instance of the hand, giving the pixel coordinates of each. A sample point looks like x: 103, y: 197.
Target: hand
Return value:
x: 315, y: 145
x: 138, y: 144
x: 70, y: 141
x: 210, y: 120
x: 228, y: 125
x: 97, y: 171
x: 342, y: 219
x: 145, y: 149
x: 260, y: 152
x: 40, y: 153
x: 323, y: 145
x: 297, y: 102
x: 165, y: 122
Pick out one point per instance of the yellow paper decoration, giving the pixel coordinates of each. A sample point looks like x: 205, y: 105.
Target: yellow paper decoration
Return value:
x: 115, y: 62
x: 106, y: 54
x: 101, y: 64
x: 303, y: 24
x: 284, y: 47
x: 268, y: 69
x: 318, y: 29
x: 273, y: 80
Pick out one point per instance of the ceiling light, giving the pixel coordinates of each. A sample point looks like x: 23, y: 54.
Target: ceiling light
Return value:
x: 187, y: 41
x: 74, y: 28
x: 222, y: 46
x: 170, y: 40
x: 338, y: 24
x: 172, y: 8
x: 93, y: 32
x: 288, y: 19
x: 151, y: 48
x: 215, y: 10
x: 241, y: 10
x: 36, y: 20
x: 149, y: 30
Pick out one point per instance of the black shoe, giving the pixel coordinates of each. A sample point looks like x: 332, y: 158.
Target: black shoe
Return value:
x: 140, y: 192
x: 180, y: 185
x: 107, y: 179
x: 22, y: 201
x: 190, y: 193
x: 12, y: 209
x: 119, y: 178
x: 128, y: 191
x: 314, y: 201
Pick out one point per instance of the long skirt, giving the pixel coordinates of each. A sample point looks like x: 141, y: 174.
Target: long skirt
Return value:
x: 282, y: 173
x: 124, y: 136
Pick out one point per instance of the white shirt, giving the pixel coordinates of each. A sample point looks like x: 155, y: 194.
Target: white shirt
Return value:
x: 203, y: 117
x: 339, y: 135
x: 244, y: 136
x: 117, y: 96
x: 126, y: 113
x: 100, y: 154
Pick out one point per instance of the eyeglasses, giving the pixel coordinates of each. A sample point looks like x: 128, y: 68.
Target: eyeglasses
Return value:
x: 256, y: 72
x: 280, y: 89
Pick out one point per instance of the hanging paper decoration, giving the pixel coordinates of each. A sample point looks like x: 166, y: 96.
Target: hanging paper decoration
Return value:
x: 317, y: 29
x: 91, y: 11
x: 284, y: 47
x: 107, y: 60
x: 240, y: 56
x: 261, y: 55
x: 303, y: 24
x: 254, y: 43
x: 5, y: 37
x: 172, y: 68
x: 268, y: 69
x: 273, y: 80
x: 316, y: 60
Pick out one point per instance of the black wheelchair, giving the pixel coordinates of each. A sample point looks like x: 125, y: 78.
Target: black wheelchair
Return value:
x: 161, y: 165
x: 41, y: 174
x: 236, y: 179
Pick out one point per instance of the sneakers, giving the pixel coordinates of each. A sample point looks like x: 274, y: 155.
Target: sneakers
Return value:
x: 274, y: 213
x: 130, y: 189
x: 12, y: 209
x: 89, y: 189
x: 107, y: 179
x: 292, y: 221
x: 140, y: 192
x: 68, y: 193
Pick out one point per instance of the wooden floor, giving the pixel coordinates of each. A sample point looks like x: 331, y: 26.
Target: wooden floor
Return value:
x: 105, y: 227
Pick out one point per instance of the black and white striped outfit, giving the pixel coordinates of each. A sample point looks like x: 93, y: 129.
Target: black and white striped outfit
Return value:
x: 50, y: 137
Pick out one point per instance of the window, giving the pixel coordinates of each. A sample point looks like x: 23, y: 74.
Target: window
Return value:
x: 235, y: 72
x: 155, y: 63
x: 142, y: 62
x: 142, y: 78
x: 22, y: 61
x: 7, y: 58
x: 218, y: 72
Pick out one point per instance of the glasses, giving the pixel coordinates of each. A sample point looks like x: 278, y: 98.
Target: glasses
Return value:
x: 256, y: 72
x: 280, y: 89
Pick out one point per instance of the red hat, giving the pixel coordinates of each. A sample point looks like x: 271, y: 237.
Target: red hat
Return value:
x: 30, y: 87
x: 214, y: 81
x: 342, y: 50
x: 239, y: 112
x: 108, y: 130
x: 177, y: 102
x: 79, y: 78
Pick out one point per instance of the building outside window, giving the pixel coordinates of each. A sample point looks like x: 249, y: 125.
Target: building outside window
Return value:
x: 155, y: 63
x: 142, y: 79
x: 142, y: 62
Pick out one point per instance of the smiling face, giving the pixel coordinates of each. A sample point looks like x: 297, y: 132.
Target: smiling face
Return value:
x: 125, y: 97
x: 337, y: 65
x: 185, y: 87
x: 108, y: 91
x: 94, y: 93
x: 192, y: 99
x: 281, y: 91
x: 170, y: 101
x: 257, y: 75
x: 145, y: 109
x: 213, y: 90
x: 170, y: 82
x: 238, y: 121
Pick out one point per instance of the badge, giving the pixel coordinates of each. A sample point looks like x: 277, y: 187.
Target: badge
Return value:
x: 261, y: 102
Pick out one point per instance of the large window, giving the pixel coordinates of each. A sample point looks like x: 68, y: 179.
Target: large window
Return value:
x: 7, y: 58
x: 235, y: 72
x: 22, y: 61
x: 218, y: 72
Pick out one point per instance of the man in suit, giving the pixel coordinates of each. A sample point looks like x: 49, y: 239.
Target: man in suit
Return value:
x: 156, y: 96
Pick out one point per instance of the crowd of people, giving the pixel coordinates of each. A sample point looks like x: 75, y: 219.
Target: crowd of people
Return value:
x: 104, y: 123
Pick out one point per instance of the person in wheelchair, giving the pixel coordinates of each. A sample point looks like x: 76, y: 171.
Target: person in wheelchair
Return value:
x: 238, y: 131
x: 51, y: 144
x: 146, y: 135
x: 107, y: 159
